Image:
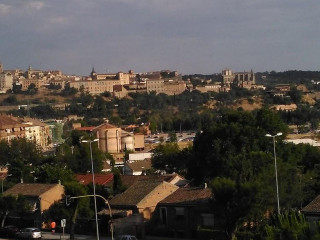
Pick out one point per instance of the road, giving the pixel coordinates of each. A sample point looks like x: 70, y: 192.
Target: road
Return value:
x: 53, y: 236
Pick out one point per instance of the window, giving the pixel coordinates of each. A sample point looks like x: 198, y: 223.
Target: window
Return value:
x: 179, y: 213
x: 163, y: 215
x: 207, y: 219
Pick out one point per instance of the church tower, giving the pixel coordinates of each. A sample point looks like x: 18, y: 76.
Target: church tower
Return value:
x: 93, y: 74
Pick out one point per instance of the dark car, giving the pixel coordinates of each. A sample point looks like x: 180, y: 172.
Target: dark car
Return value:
x: 9, y: 231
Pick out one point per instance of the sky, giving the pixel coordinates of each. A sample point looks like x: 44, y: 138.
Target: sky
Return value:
x: 189, y: 36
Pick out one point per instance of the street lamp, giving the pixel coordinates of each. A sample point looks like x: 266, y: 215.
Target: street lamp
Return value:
x: 93, y: 184
x: 275, y: 165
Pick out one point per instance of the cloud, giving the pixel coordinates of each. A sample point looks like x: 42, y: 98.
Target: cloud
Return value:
x: 4, y: 8
x: 192, y: 36
x: 30, y: 5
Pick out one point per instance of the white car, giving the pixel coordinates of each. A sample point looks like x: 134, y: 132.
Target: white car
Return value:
x: 126, y: 237
x: 29, y: 233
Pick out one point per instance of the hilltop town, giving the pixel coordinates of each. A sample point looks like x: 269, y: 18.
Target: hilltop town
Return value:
x: 181, y: 156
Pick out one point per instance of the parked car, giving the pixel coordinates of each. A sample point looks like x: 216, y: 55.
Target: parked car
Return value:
x: 9, y: 231
x: 29, y: 233
x: 126, y: 237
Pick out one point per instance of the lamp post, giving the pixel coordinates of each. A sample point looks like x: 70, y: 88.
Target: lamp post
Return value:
x: 93, y: 183
x: 275, y: 165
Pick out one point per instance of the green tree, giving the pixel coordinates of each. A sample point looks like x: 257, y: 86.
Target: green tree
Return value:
x: 9, y: 204
x: 290, y: 225
x: 78, y: 207
x: 232, y: 202
x: 172, y: 136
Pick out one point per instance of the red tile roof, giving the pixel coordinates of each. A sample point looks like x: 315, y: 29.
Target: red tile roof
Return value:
x: 188, y: 196
x: 85, y: 128
x: 100, y: 179
x: 313, y: 207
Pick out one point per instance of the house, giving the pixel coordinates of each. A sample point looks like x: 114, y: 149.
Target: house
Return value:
x: 175, y: 179
x: 39, y: 196
x: 312, y: 212
x: 137, y: 167
x: 183, y: 212
x: 143, y: 196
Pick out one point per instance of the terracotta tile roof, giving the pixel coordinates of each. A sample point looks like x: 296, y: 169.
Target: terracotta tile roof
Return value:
x: 137, y: 166
x: 35, y: 122
x: 129, y: 180
x: 8, y: 122
x: 137, y: 192
x: 104, y: 125
x: 29, y: 189
x: 100, y: 179
x: 188, y: 196
x: 84, y: 128
x: 313, y: 207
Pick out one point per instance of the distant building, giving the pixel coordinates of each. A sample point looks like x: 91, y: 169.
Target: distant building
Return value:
x: 238, y: 79
x: 287, y: 108
x: 11, y: 128
x: 6, y: 80
x: 209, y: 88
x: 37, y: 132
x: 166, y: 86
x: 29, y: 128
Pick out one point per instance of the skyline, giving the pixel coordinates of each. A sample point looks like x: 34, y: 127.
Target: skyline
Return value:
x: 192, y: 37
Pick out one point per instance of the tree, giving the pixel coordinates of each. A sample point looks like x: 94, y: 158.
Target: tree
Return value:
x: 49, y: 173
x: 295, y: 95
x: 10, y: 203
x: 79, y: 207
x: 32, y: 89
x: 22, y: 156
x: 117, y: 186
x: 172, y: 136
x: 290, y: 225
x: 232, y: 202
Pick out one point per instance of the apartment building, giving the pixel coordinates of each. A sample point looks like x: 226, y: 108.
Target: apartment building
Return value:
x: 31, y: 129
x: 38, y: 132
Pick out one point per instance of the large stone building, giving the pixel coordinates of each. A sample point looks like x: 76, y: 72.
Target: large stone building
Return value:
x: 100, y: 83
x: 238, y: 79
x: 167, y: 86
x: 113, y: 139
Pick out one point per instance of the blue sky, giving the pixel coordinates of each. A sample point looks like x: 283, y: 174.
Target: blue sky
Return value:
x: 190, y: 36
